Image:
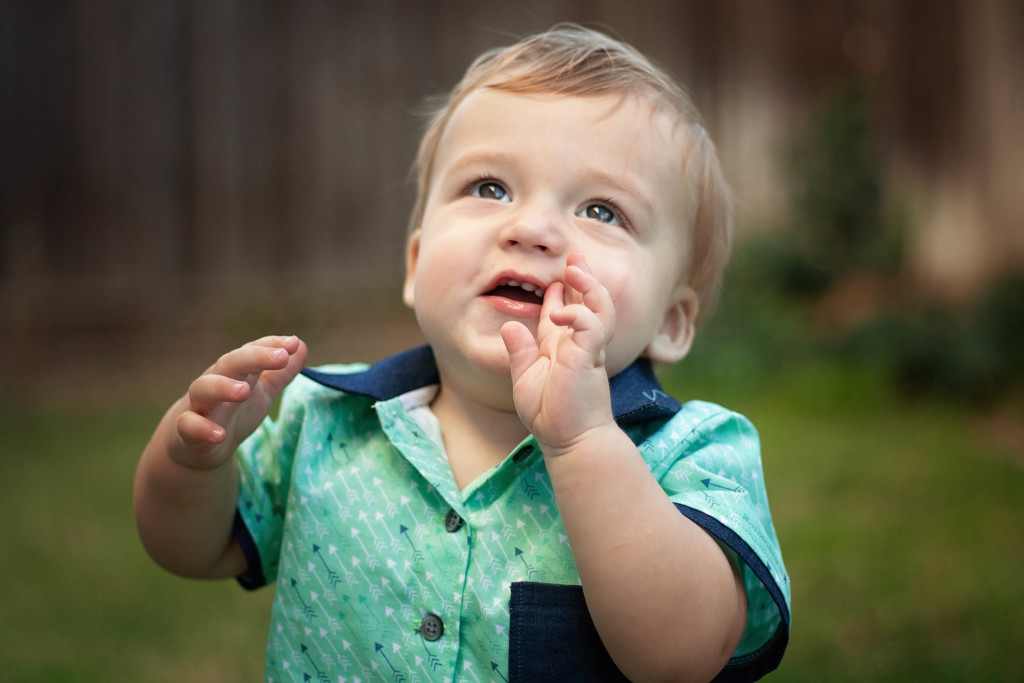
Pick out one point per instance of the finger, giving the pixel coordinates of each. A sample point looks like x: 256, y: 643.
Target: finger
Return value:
x: 289, y: 342
x: 247, y: 362
x: 554, y: 301
x: 196, y: 430
x: 583, y: 322
x: 578, y: 317
x: 589, y: 332
x: 276, y: 380
x: 591, y: 292
x: 521, y: 346
x: 572, y: 293
x: 208, y: 392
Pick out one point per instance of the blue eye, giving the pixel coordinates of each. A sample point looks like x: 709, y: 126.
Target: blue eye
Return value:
x: 491, y: 190
x: 601, y: 213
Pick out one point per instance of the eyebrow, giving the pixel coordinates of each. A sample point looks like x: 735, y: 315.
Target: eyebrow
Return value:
x: 479, y: 159
x: 624, y: 186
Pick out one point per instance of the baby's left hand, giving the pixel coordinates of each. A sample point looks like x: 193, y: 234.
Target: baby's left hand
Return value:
x: 560, y: 383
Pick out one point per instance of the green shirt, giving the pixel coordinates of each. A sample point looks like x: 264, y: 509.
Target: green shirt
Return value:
x: 385, y: 570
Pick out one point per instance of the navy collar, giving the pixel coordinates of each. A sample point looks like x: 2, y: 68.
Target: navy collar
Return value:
x: 636, y: 394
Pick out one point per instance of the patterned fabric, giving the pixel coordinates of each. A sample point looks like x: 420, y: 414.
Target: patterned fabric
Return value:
x: 385, y: 570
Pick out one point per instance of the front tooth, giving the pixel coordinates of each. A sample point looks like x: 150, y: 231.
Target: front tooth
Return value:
x: 512, y: 283
x: 529, y: 287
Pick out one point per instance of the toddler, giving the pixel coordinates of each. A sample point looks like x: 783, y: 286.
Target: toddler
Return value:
x: 517, y: 500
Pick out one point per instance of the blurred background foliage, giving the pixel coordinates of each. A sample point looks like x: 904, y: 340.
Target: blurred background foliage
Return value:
x: 161, y: 203
x: 830, y: 281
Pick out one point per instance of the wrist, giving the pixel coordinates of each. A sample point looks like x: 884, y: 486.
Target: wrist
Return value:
x: 594, y: 438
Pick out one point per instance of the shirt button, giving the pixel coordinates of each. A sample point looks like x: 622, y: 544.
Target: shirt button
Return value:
x: 432, y: 627
x: 452, y: 521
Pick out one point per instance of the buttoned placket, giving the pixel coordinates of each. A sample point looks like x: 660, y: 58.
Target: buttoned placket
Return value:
x: 439, y: 623
x: 445, y: 538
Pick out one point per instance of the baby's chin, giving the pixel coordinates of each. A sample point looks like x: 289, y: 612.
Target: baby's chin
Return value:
x: 486, y: 360
x: 493, y: 361
x: 484, y: 381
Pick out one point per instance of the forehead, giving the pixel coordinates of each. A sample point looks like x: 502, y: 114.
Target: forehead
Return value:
x: 622, y: 133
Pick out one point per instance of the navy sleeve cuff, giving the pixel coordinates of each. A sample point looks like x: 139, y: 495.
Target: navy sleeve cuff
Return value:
x: 756, y: 664
x: 253, y: 577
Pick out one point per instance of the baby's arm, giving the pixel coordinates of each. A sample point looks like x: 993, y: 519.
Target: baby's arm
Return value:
x: 664, y: 597
x: 186, y: 485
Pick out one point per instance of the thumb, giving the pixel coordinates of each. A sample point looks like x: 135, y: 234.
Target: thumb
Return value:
x: 521, y: 346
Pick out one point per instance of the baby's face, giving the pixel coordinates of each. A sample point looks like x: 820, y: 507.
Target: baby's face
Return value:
x: 519, y: 183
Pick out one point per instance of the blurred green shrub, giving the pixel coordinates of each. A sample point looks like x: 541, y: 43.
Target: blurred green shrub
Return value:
x: 968, y: 356
x: 777, y: 315
x: 840, y: 222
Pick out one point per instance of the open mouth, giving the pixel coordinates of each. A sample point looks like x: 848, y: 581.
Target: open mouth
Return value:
x: 523, y: 292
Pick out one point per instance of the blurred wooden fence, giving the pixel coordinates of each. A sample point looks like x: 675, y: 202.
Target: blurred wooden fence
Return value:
x: 161, y: 157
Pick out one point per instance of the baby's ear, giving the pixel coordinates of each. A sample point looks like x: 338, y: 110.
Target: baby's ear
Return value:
x: 412, y: 254
x: 672, y: 341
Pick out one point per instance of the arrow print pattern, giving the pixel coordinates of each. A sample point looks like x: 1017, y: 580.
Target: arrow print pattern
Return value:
x: 349, y: 503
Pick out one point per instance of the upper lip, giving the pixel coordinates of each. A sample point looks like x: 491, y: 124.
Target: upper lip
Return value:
x: 514, y: 279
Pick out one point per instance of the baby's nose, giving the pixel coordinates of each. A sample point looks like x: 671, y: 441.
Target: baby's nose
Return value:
x: 538, y: 228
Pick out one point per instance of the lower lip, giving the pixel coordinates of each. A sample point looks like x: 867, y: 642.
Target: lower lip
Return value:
x: 511, y: 307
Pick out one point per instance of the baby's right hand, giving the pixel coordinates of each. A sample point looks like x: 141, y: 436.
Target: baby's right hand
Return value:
x: 227, y: 402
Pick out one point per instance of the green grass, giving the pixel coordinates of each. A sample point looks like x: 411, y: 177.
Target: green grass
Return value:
x: 82, y: 601
x: 901, y: 525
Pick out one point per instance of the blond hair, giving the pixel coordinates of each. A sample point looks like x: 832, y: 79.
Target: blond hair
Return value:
x: 576, y: 61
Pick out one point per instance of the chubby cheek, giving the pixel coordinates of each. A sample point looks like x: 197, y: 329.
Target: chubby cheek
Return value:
x: 435, y: 267
x: 441, y: 285
x: 431, y: 286
x: 635, y: 298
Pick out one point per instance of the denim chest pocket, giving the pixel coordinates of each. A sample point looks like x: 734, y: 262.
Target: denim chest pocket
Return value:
x: 552, y: 637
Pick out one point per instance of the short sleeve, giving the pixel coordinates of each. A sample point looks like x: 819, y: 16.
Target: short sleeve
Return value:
x: 708, y: 460
x: 265, y: 463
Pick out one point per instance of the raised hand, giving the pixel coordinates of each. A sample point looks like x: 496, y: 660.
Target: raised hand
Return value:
x: 227, y: 402
x: 560, y: 384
